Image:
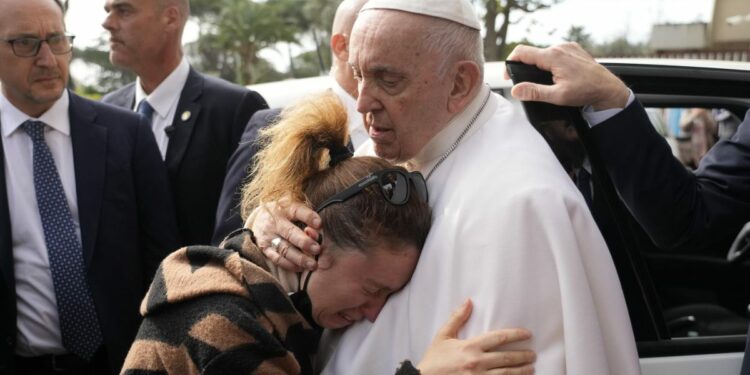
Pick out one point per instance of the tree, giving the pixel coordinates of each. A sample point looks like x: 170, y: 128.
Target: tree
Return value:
x: 306, y: 64
x: 108, y: 76
x: 495, y: 41
x: 579, y: 35
x: 319, y: 15
x: 234, y: 31
x: 620, y: 47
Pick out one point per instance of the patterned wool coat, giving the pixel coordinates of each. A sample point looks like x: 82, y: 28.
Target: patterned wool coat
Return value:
x: 218, y: 310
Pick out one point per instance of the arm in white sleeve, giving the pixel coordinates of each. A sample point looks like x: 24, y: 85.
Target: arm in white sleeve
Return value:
x: 597, y: 117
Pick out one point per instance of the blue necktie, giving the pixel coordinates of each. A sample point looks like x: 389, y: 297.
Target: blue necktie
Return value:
x: 79, y: 325
x: 146, y: 110
x: 583, y: 181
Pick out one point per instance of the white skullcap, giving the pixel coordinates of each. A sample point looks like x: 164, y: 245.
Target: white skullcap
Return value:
x: 459, y: 11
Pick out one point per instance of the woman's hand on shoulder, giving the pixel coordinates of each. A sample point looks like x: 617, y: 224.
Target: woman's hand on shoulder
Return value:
x: 477, y: 355
x: 284, y: 243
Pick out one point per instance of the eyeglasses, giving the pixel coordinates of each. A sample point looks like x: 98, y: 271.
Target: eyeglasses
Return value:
x: 395, y: 185
x: 29, y: 47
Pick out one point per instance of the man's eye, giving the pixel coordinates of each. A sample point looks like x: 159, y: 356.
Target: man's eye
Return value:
x: 389, y: 82
x: 57, y: 39
x: 26, y: 42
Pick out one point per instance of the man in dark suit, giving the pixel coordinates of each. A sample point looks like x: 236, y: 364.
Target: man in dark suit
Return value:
x: 85, y: 214
x: 197, y: 120
x: 697, y: 211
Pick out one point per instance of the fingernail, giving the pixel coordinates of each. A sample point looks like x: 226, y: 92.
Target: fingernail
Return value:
x: 315, y: 249
x: 316, y: 222
x: 310, y: 265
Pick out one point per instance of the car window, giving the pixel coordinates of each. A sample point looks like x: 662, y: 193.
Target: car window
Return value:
x: 693, y: 289
x: 692, y: 131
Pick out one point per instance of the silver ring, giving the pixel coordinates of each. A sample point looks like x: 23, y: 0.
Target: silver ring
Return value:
x: 276, y: 242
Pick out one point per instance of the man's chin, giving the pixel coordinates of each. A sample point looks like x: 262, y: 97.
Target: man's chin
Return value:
x: 387, y: 153
x: 117, y: 59
x: 49, y: 92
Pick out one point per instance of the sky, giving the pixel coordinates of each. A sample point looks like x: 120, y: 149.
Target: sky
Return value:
x: 604, y: 20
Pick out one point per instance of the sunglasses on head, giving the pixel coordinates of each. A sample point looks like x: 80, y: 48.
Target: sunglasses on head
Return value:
x: 395, y: 185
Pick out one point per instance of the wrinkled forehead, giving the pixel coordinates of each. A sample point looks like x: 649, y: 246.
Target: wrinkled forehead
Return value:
x: 385, y: 37
x: 387, y: 24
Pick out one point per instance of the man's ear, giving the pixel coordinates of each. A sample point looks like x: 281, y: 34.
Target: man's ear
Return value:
x: 340, y: 47
x: 465, y: 78
x: 172, y: 18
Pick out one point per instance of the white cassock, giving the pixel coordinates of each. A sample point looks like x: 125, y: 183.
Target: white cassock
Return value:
x: 511, y: 231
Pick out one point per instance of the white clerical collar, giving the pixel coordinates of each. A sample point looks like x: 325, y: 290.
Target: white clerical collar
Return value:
x: 167, y: 94
x: 357, y: 131
x: 56, y: 117
x: 480, y: 106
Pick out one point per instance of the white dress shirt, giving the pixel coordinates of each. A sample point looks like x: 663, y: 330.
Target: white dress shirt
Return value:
x: 597, y: 117
x: 164, y: 100
x: 38, y: 320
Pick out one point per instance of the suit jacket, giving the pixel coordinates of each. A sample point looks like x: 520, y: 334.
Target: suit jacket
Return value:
x: 228, y: 212
x: 127, y: 223
x: 210, y: 118
x: 701, y: 211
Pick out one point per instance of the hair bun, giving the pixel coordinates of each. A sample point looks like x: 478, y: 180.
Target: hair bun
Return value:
x: 338, y: 153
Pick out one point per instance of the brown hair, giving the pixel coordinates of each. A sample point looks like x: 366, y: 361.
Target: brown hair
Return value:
x: 294, y: 163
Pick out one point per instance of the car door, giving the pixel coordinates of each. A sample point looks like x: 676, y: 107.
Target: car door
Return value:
x: 691, y: 289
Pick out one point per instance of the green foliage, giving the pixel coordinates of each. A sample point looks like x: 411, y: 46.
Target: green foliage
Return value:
x: 579, y: 35
x: 497, y: 21
x: 234, y: 31
x: 263, y: 71
x: 307, y: 65
x: 108, y: 76
x: 619, y: 47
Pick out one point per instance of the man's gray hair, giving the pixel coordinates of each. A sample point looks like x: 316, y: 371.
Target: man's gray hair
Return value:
x: 454, y: 42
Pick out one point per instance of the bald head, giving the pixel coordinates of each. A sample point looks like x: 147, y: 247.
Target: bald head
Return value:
x: 345, y: 16
x: 182, y: 5
x: 343, y: 22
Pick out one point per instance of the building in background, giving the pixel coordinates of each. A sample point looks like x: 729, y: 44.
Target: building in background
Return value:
x: 726, y: 37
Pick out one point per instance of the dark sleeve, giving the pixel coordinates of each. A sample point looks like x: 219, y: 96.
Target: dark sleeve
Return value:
x: 700, y: 211
x: 156, y: 213
x: 227, y: 212
x: 251, y: 103
x: 407, y: 368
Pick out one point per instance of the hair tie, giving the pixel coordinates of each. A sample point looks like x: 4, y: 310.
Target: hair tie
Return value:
x: 338, y: 154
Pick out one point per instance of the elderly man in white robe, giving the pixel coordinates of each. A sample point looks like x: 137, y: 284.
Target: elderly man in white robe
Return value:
x: 510, y: 229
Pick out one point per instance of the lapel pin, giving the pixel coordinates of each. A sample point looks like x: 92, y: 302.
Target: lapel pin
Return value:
x: 186, y: 116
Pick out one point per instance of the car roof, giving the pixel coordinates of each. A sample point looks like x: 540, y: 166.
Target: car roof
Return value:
x: 692, y: 63
x: 282, y: 93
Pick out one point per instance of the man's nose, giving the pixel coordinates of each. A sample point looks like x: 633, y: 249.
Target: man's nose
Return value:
x: 45, y: 57
x: 108, y: 24
x: 366, y: 101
